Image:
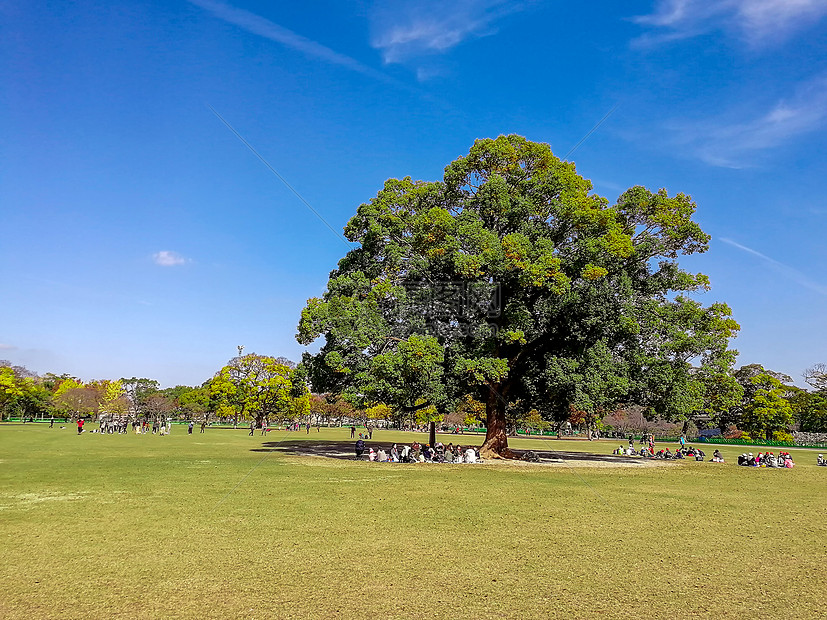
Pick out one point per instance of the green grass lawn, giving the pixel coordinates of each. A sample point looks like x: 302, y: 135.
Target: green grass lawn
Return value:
x: 218, y: 526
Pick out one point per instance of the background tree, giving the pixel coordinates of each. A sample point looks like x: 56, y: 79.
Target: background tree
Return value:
x: 810, y: 410
x: 157, y: 407
x: 816, y: 376
x: 768, y: 411
x: 137, y: 392
x: 112, y: 400
x: 379, y: 413
x: 23, y: 393
x: 335, y: 408
x: 75, y: 399
x: 11, y: 392
x: 750, y: 378
x: 470, y: 410
x: 194, y: 402
x: 258, y: 387
x: 533, y: 422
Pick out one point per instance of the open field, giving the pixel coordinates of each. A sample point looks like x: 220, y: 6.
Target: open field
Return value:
x: 222, y: 525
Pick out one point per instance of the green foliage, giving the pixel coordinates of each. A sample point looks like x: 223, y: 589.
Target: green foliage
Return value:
x: 379, y: 412
x: 752, y: 408
x: 425, y: 414
x: 138, y: 392
x: 768, y: 411
x: 592, y: 309
x: 470, y: 411
x: 534, y: 421
x: 22, y: 395
x: 783, y: 437
x: 194, y: 402
x: 258, y: 387
x: 810, y: 410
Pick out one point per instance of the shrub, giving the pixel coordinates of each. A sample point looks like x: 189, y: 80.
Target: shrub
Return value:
x: 733, y: 433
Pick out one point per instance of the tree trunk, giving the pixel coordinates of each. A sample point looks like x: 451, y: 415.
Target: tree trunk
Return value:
x: 495, y: 445
x: 432, y: 434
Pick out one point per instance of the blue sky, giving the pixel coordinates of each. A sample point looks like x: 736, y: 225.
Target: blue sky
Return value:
x: 140, y: 237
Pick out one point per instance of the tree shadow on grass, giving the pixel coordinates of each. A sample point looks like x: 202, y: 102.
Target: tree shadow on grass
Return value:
x: 345, y: 450
x: 330, y: 449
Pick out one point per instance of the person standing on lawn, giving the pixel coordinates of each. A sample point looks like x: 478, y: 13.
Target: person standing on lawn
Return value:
x: 80, y: 425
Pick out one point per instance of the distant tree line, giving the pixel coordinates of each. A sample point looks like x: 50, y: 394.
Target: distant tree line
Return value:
x: 252, y: 386
x: 761, y: 403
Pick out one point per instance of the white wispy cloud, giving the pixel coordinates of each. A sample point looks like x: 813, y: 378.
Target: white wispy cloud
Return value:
x: 167, y: 258
x: 255, y: 24
x: 7, y: 347
x: 758, y: 21
x: 408, y: 29
x: 734, y: 143
x: 789, y: 272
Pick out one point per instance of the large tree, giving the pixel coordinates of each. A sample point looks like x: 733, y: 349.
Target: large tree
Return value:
x: 537, y: 292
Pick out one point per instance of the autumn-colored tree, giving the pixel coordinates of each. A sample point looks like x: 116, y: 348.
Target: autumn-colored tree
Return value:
x: 75, y: 399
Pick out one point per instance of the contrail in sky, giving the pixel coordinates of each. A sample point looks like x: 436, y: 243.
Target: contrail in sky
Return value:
x: 263, y: 27
x: 793, y: 274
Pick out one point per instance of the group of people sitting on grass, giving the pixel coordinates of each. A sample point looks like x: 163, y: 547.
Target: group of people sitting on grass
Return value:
x: 681, y: 453
x: 766, y: 459
x: 686, y: 453
x: 822, y: 462
x: 420, y: 453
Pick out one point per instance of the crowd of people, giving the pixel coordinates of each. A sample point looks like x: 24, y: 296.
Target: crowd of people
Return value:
x: 766, y: 459
x: 119, y: 425
x: 419, y: 453
x: 689, y: 452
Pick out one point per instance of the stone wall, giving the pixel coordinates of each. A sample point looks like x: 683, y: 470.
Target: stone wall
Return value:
x: 810, y: 439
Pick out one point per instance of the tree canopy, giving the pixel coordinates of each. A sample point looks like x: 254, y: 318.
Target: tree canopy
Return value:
x: 257, y: 386
x: 511, y: 280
